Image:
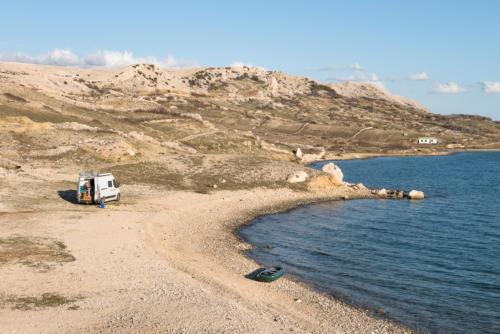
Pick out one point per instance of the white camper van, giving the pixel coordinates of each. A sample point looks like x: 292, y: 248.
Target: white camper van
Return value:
x: 94, y: 187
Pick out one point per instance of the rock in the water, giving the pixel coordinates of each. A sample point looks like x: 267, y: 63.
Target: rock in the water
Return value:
x: 299, y: 176
x: 416, y: 194
x: 360, y: 186
x: 382, y: 192
x: 335, y: 171
x: 299, y: 153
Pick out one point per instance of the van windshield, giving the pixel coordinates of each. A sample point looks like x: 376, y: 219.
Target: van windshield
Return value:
x: 116, y: 184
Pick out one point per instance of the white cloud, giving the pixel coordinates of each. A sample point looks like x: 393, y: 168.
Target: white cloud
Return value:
x: 356, y: 67
x: 359, y: 76
x: 448, y: 88
x: 373, y: 77
x: 242, y: 64
x: 105, y: 58
x: 117, y: 59
x: 491, y: 87
x: 329, y: 68
x: 419, y: 76
x: 356, y: 76
x: 111, y: 59
x: 353, y: 67
x: 57, y: 57
x: 391, y: 78
x: 380, y: 84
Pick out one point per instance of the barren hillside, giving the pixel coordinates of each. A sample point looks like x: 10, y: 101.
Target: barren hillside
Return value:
x: 181, y: 124
x: 198, y: 153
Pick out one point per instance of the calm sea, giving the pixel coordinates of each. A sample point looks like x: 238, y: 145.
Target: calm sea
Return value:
x: 433, y: 265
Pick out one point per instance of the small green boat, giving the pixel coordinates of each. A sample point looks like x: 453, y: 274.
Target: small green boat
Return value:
x: 270, y: 274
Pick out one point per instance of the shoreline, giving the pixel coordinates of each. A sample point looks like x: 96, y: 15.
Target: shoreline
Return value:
x: 354, y: 156
x: 364, y: 156
x: 345, y: 301
x: 181, y: 251
x: 176, y: 251
x: 176, y: 264
x: 240, y: 246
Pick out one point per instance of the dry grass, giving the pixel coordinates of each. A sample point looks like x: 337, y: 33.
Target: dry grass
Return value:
x: 40, y: 253
x: 45, y: 300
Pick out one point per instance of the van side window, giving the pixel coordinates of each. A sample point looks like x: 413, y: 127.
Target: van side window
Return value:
x: 110, y: 184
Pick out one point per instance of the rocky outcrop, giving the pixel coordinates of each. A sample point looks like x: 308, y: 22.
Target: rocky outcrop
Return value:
x: 299, y: 176
x: 396, y: 194
x: 310, y: 157
x: 382, y: 192
x: 371, y: 90
x: 360, y: 186
x: 324, y: 183
x: 334, y: 171
x: 416, y: 195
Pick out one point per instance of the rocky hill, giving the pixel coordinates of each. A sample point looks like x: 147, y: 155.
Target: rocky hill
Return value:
x: 208, y: 121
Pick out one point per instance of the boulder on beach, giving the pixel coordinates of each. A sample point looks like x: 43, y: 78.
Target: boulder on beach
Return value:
x: 299, y: 176
x: 299, y: 153
x: 324, y: 183
x: 416, y: 194
x: 334, y: 171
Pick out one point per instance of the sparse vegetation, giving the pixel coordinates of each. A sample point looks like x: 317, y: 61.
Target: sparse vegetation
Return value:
x: 40, y: 253
x: 318, y: 89
x: 199, y: 78
x: 45, y: 300
x: 231, y: 113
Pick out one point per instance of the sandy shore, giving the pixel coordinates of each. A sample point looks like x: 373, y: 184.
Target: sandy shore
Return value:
x: 165, y: 262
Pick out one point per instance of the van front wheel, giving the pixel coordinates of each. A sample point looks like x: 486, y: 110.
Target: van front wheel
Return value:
x: 118, y: 198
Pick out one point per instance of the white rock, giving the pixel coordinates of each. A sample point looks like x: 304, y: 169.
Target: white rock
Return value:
x: 360, y: 186
x: 333, y: 170
x: 299, y: 176
x: 416, y: 194
x: 299, y: 153
x: 382, y: 192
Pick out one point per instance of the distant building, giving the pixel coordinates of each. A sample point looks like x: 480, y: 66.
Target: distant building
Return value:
x: 427, y: 140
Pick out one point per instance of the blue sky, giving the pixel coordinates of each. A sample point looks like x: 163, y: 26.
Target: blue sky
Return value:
x: 445, y: 54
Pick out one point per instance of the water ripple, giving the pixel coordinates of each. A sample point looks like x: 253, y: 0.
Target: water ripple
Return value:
x: 434, y: 265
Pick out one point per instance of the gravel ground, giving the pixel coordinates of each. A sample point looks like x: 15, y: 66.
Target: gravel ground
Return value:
x: 169, y: 262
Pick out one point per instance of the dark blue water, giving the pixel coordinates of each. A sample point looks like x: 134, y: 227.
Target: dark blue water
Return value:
x: 433, y: 265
